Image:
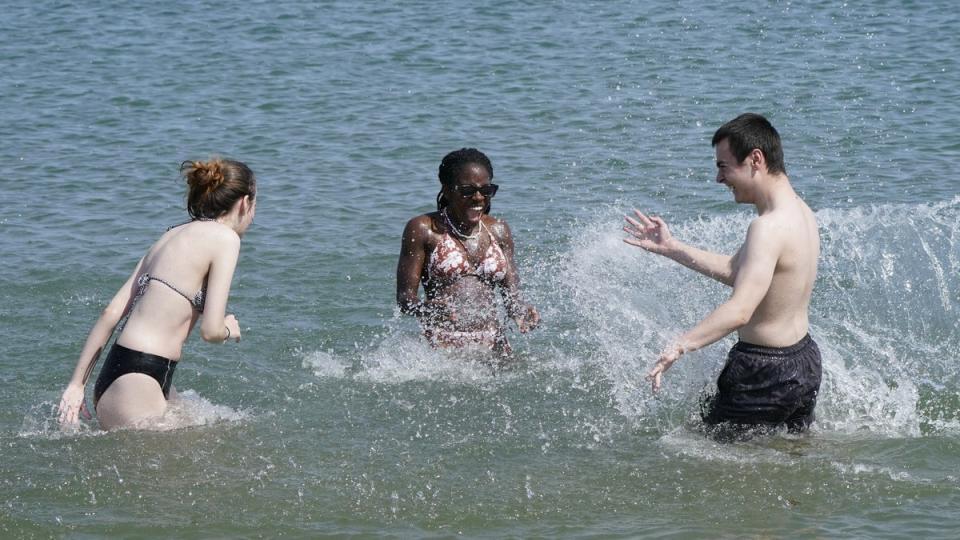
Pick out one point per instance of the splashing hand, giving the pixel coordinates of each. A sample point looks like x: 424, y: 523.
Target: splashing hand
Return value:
x: 650, y: 233
x: 528, y: 319
x: 72, y: 406
x: 667, y: 358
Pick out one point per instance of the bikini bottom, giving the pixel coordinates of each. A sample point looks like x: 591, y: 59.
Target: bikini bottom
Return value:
x: 122, y: 361
x: 493, y: 339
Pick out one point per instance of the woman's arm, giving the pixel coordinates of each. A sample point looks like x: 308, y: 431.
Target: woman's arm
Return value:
x: 72, y: 401
x: 413, y: 256
x: 524, y: 314
x: 217, y: 326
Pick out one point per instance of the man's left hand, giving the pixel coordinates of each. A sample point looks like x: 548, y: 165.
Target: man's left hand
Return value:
x: 667, y: 358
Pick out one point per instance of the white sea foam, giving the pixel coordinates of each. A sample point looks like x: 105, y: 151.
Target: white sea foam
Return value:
x: 866, y: 469
x: 189, y: 409
x: 405, y: 358
x: 325, y: 364
x: 192, y: 409
x: 399, y: 356
x: 692, y: 443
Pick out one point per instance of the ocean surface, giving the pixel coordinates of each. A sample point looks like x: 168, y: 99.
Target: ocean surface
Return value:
x: 331, y: 417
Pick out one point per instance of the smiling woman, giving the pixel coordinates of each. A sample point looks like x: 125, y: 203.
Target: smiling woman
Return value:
x: 461, y: 255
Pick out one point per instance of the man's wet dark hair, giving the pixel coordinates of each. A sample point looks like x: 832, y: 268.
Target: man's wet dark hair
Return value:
x: 749, y: 131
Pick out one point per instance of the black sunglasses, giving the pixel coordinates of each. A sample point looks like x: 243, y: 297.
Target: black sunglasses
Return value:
x: 487, y: 191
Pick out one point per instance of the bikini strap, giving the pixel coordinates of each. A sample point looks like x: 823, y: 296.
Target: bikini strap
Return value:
x: 187, y: 222
x: 192, y: 301
x: 142, y: 282
x: 493, y: 238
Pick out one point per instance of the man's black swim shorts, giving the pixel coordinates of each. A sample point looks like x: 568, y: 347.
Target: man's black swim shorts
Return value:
x: 768, y: 386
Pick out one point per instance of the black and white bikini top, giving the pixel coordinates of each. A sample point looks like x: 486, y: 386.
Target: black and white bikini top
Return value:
x: 196, y: 302
x: 198, y: 299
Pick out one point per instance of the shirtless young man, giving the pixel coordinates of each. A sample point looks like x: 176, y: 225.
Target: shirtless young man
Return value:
x: 772, y: 375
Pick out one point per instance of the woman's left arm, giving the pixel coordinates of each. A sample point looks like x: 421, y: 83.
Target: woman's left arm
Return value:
x: 217, y: 326
x: 524, y: 314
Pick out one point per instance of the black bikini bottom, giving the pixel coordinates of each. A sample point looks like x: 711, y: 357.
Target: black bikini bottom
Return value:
x: 122, y: 360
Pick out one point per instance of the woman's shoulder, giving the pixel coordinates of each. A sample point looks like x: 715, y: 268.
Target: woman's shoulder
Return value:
x: 497, y: 226
x: 427, y: 218
x: 424, y: 223
x: 205, y: 232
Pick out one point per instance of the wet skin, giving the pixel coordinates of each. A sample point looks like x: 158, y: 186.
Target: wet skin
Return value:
x: 466, y: 304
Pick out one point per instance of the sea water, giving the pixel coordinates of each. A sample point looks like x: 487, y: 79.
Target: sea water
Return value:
x: 332, y: 417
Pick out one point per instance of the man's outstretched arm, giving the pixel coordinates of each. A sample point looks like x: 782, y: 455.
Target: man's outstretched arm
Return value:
x: 651, y: 233
x: 760, y: 254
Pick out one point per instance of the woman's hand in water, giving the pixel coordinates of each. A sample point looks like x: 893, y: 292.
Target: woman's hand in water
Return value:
x: 72, y: 405
x: 527, y: 318
x: 649, y: 233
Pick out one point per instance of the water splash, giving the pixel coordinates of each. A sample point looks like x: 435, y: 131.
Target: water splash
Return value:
x: 883, y: 312
x: 189, y: 409
x: 325, y: 364
x: 399, y: 355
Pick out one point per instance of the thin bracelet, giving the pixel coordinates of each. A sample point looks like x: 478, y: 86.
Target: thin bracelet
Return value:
x: 228, y: 333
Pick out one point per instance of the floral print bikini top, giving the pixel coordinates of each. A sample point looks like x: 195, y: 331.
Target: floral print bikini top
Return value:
x: 449, y: 261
